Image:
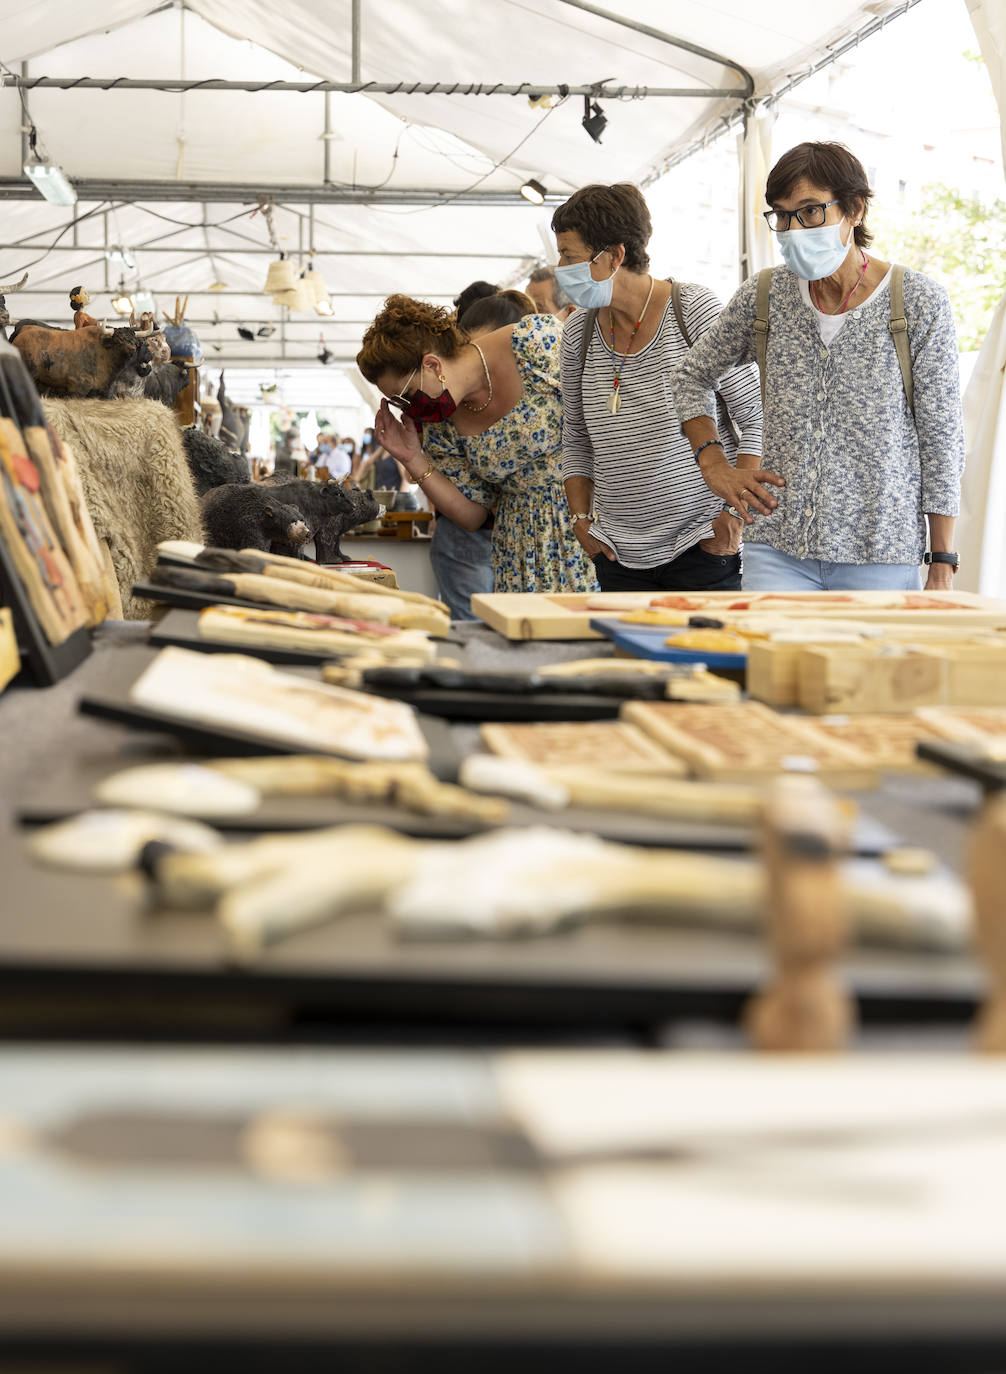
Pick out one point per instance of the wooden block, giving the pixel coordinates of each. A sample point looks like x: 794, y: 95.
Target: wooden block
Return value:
x: 976, y: 674
x: 858, y: 679
x: 10, y: 658
x: 747, y: 741
x: 772, y: 672
x: 604, y: 745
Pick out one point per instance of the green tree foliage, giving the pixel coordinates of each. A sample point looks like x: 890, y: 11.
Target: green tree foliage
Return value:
x: 960, y: 242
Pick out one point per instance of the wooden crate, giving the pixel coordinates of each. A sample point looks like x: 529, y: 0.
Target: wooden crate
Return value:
x: 749, y: 741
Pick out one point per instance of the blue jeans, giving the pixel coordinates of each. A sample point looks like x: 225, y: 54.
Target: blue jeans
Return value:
x: 462, y: 563
x: 768, y: 570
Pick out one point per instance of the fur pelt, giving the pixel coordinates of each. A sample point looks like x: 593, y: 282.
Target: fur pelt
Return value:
x: 136, y: 483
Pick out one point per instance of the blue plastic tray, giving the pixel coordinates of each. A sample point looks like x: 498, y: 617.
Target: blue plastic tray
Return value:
x: 648, y: 641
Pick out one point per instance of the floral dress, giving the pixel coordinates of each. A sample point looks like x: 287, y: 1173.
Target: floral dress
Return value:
x: 516, y: 466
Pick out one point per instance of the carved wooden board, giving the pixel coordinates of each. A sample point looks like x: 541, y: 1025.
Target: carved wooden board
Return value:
x: 605, y: 745
x: 748, y: 741
x: 540, y: 615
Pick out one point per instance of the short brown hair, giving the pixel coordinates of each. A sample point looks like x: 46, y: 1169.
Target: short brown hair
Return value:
x: 832, y: 167
x: 403, y: 332
x: 604, y: 216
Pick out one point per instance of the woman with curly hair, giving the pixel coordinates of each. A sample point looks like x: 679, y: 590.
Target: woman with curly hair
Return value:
x: 480, y: 428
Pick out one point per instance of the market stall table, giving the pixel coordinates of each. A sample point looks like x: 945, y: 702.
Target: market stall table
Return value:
x: 83, y: 956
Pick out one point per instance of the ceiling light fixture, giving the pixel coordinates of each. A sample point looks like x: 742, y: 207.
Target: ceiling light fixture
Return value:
x: 594, y: 119
x: 122, y: 304
x: 325, y: 307
x: 280, y: 277
x: 534, y: 192
x: 52, y: 182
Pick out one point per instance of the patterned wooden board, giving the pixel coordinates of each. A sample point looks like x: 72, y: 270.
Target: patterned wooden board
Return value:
x: 888, y: 741
x: 605, y: 745
x: 749, y: 740
x: 966, y: 726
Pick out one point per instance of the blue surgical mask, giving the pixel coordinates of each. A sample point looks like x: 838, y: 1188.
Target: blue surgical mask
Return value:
x: 813, y: 253
x: 580, y: 286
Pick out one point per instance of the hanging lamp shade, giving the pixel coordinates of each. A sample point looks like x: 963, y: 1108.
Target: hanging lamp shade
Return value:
x: 315, y: 284
x: 299, y: 297
x: 280, y: 277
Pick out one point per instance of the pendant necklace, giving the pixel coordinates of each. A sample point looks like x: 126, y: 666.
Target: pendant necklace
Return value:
x: 489, y: 383
x: 615, y: 400
x: 817, y: 301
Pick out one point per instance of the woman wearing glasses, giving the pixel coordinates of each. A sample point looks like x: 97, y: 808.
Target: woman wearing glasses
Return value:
x: 854, y: 471
x: 481, y: 427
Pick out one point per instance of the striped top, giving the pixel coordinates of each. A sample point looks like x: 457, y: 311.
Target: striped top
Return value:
x: 649, y: 497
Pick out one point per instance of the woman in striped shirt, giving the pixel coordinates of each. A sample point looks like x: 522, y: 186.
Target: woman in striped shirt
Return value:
x: 640, y: 507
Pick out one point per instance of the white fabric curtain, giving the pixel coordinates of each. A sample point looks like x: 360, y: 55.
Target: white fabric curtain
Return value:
x: 754, y: 152
x: 981, y: 536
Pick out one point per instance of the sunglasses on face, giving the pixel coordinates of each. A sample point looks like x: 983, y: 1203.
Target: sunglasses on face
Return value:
x: 400, y: 401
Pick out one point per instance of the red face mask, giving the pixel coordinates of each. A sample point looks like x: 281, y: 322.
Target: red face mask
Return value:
x: 425, y: 410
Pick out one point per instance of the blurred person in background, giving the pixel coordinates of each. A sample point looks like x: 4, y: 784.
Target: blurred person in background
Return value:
x: 548, y: 296
x: 496, y: 312
x: 474, y: 291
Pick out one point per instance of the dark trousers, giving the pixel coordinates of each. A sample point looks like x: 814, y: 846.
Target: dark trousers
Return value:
x: 692, y: 571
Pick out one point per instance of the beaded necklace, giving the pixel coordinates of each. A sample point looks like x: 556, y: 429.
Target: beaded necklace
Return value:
x: 615, y: 399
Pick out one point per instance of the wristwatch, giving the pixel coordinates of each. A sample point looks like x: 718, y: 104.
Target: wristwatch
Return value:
x: 954, y: 559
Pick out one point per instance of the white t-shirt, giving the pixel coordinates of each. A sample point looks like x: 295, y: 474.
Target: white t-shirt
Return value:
x: 830, y: 325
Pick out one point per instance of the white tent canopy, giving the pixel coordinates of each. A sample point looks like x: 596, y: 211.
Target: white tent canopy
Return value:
x: 411, y: 192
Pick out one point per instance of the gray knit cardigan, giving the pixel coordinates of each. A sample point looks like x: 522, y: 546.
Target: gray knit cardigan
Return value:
x: 859, y: 471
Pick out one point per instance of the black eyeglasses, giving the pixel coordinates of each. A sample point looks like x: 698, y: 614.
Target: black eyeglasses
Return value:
x: 809, y: 216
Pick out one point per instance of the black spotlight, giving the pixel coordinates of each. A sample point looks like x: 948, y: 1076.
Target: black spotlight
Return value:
x: 324, y: 357
x: 594, y: 120
x: 534, y: 192
x: 266, y: 331
x: 245, y: 333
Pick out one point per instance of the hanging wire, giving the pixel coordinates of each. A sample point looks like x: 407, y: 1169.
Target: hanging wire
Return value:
x: 97, y: 210
x: 31, y: 129
x: 449, y: 200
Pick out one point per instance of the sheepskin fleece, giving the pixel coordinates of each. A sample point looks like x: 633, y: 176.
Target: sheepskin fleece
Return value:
x: 136, y: 482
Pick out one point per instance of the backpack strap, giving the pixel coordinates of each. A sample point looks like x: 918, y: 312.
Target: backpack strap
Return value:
x: 679, y: 314
x: 898, y: 325
x: 588, y: 334
x: 761, y: 326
